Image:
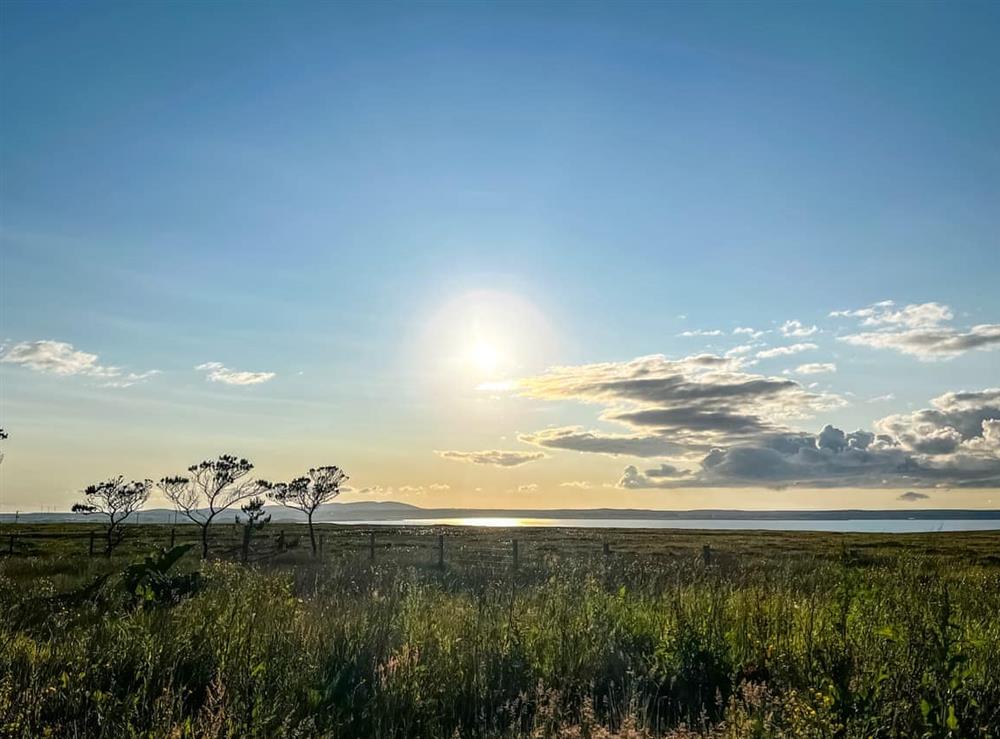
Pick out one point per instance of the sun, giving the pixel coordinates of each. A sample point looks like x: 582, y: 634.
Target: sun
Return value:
x: 484, y: 356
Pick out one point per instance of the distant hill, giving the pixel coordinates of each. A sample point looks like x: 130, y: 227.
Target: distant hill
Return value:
x: 390, y: 512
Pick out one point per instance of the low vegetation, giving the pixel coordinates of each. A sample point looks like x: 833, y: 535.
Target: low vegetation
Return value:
x: 761, y: 635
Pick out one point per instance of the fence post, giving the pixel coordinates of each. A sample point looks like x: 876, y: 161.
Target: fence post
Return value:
x: 91, y: 544
x: 706, y: 554
x: 321, y: 537
x: 281, y: 540
x: 173, y: 536
x: 10, y: 547
x: 441, y: 551
x: 514, y: 552
x: 607, y: 549
x: 371, y: 546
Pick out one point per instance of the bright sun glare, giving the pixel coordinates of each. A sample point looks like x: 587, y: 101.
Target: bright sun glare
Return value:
x: 484, y: 355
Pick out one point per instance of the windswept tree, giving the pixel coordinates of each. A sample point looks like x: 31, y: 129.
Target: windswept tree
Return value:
x: 3, y: 435
x: 309, y: 492
x: 254, y: 517
x: 116, y: 500
x: 210, y: 488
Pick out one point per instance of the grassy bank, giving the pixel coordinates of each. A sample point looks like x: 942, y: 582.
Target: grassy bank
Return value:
x: 775, y: 634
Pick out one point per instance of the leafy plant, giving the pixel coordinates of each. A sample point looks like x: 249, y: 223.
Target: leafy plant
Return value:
x: 149, y: 583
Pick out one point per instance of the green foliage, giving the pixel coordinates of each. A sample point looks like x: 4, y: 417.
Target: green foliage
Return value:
x: 759, y: 644
x: 150, y: 584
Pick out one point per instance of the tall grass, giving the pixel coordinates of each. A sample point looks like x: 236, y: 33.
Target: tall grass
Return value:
x: 906, y: 646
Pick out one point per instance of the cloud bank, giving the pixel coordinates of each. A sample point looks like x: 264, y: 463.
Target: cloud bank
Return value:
x: 721, y: 426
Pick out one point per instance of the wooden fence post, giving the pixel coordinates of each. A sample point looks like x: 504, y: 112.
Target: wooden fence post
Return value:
x: 706, y: 554
x: 441, y: 551
x: 10, y: 547
x: 321, y: 538
x: 607, y: 549
x: 91, y: 544
x: 514, y: 552
x: 173, y: 537
x: 371, y: 546
x: 281, y: 540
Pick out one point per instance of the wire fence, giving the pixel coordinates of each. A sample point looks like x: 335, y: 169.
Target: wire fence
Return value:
x: 431, y: 546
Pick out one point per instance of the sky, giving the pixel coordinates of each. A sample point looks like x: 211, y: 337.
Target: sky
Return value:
x: 670, y: 255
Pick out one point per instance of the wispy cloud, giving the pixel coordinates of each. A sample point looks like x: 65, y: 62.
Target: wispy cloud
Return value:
x: 216, y: 372
x: 930, y: 343
x: 494, y: 457
x: 575, y: 438
x: 61, y: 358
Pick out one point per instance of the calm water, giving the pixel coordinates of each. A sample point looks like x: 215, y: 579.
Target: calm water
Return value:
x: 896, y: 526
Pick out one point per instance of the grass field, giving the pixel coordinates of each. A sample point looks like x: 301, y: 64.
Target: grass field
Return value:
x: 765, y: 635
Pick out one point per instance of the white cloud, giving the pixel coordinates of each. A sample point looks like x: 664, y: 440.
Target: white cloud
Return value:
x: 751, y: 332
x: 797, y: 329
x: 61, y: 358
x: 216, y: 372
x: 918, y: 330
x: 784, y: 351
x: 813, y: 368
x: 531, y: 487
x: 701, y: 332
x: 741, y: 349
x: 916, y: 315
x: 882, y: 398
x: 578, y: 484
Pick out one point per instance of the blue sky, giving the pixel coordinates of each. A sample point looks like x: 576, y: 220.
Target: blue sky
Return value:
x: 324, y: 191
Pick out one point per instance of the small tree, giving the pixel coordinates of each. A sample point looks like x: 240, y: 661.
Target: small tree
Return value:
x: 308, y: 493
x: 213, y: 486
x: 256, y: 518
x: 3, y: 435
x: 116, y: 500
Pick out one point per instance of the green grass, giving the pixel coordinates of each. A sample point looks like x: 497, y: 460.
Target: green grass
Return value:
x: 778, y: 635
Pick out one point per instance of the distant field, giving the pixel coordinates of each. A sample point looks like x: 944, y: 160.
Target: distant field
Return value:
x: 584, y: 633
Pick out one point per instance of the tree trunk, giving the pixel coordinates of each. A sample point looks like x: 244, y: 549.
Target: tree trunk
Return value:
x: 312, y: 534
x: 109, y: 545
x: 204, y: 540
x: 245, y: 554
